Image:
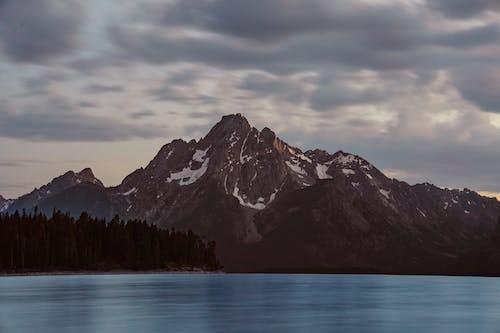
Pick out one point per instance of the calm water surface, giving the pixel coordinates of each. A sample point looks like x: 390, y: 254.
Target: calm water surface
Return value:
x: 248, y: 303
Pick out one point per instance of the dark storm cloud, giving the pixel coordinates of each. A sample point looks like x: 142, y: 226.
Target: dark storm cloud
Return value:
x: 461, y: 9
x: 378, y: 37
x: 39, y: 30
x: 58, y: 121
x: 257, y: 19
x: 479, y: 85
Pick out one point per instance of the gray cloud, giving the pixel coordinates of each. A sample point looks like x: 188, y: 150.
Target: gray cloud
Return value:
x: 480, y: 85
x: 103, y: 89
x: 57, y: 120
x: 464, y: 8
x: 332, y: 96
x: 167, y: 91
x: 488, y: 34
x: 87, y: 104
x: 142, y: 114
x: 258, y: 19
x: 39, y: 30
x: 265, y: 85
x: 191, y: 59
x: 184, y: 77
x: 380, y: 37
x: 38, y: 84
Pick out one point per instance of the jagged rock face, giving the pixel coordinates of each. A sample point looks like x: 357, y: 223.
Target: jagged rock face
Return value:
x: 268, y: 204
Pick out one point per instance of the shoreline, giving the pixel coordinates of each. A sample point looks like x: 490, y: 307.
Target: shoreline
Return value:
x: 200, y: 271
x: 112, y: 272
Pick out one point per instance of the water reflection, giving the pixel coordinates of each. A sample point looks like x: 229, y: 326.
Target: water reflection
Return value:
x: 248, y: 303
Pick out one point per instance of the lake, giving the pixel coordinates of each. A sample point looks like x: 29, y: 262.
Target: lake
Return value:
x: 248, y: 303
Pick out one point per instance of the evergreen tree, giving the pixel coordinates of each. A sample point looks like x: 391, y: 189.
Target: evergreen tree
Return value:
x: 34, y: 242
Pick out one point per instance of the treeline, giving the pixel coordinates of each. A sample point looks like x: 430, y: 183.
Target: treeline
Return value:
x: 35, y: 242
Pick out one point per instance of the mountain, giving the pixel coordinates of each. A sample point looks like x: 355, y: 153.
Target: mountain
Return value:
x: 4, y: 203
x: 271, y: 206
x: 43, y: 196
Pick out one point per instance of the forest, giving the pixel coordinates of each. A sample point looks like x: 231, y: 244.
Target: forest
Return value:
x: 37, y: 243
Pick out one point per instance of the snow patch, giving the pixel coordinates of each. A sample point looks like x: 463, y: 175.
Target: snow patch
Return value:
x: 187, y: 175
x: 199, y: 155
x: 348, y: 172
x: 421, y: 212
x: 466, y: 211
x: 295, y: 167
x: 349, y: 159
x: 385, y: 193
x: 169, y: 154
x: 321, y: 171
x: 369, y: 176
x: 304, y: 158
x: 129, y: 192
x: 355, y: 184
x: 225, y: 184
x: 244, y: 158
x: 259, y: 205
x: 233, y: 140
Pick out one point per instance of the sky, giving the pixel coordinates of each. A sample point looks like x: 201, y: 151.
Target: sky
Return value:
x: 411, y: 85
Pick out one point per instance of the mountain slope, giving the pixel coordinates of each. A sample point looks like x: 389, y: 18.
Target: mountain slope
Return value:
x: 70, y: 179
x: 270, y: 205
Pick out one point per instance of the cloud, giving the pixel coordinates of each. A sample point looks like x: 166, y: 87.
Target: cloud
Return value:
x: 166, y: 91
x: 392, y: 80
x: 18, y: 163
x: 461, y: 9
x: 264, y: 85
x: 57, y: 120
x: 480, y: 85
x: 87, y: 104
x: 40, y: 30
x: 257, y: 19
x: 142, y: 114
x: 471, y: 37
x: 354, y: 35
x: 103, y: 89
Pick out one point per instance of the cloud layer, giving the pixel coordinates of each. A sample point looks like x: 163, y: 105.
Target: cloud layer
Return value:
x: 411, y: 84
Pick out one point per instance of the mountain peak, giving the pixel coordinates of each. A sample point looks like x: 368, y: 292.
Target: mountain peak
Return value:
x: 86, y: 173
x: 233, y: 121
x: 233, y: 117
x: 229, y: 124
